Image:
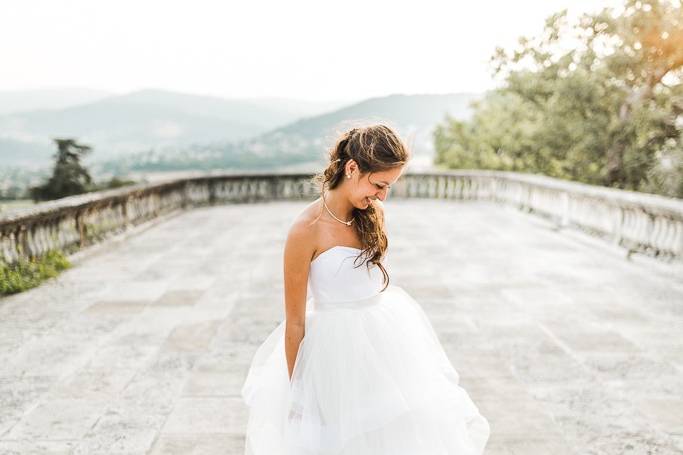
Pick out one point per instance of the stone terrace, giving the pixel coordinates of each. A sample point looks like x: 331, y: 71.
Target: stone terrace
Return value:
x: 142, y: 347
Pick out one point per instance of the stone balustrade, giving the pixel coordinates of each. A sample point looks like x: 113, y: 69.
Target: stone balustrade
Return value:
x: 639, y: 222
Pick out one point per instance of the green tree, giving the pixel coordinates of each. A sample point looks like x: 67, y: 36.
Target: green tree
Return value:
x: 599, y: 101
x: 69, y: 177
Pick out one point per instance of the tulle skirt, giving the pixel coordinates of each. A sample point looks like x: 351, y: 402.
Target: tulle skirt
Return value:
x: 370, y: 378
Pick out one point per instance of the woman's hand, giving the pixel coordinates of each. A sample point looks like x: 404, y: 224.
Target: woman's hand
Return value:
x: 294, y: 333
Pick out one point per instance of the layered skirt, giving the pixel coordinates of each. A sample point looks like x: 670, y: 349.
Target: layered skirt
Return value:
x: 370, y: 378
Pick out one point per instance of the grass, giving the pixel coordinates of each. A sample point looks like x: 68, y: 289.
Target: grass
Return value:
x: 29, y: 273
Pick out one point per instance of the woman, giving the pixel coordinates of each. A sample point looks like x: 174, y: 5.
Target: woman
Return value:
x: 355, y: 368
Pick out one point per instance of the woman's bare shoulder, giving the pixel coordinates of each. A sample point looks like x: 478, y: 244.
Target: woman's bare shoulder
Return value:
x: 303, y: 231
x: 306, y: 219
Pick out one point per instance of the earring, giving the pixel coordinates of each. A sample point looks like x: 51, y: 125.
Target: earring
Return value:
x: 348, y: 176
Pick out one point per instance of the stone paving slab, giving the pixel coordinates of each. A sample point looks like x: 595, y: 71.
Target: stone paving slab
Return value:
x: 142, y: 348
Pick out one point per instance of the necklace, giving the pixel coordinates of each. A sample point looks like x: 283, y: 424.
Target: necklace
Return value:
x: 348, y: 223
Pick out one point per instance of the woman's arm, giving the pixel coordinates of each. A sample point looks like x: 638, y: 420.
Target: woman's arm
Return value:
x: 297, y: 260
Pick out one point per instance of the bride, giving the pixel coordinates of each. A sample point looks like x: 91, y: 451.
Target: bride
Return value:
x: 355, y: 367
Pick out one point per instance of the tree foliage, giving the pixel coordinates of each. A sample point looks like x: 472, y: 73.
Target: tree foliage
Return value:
x: 598, y: 100
x: 69, y: 177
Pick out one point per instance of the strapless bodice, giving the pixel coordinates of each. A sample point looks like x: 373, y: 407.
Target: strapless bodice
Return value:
x: 336, y: 276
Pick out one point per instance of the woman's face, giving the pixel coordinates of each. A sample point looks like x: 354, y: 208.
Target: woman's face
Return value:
x: 370, y: 186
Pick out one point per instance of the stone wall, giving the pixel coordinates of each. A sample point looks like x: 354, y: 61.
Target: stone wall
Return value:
x: 638, y: 222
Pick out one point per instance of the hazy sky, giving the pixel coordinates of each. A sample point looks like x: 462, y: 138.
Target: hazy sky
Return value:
x: 305, y: 49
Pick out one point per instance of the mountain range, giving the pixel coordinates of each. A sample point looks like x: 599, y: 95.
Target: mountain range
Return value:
x: 154, y: 130
x: 116, y: 125
x: 303, y: 144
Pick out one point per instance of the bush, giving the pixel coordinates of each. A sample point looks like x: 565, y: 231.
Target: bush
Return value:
x: 29, y: 273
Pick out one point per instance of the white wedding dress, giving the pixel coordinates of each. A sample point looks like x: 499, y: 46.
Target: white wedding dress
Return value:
x: 370, y: 377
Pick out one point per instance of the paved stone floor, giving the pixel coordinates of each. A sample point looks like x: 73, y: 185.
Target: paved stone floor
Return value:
x: 566, y: 347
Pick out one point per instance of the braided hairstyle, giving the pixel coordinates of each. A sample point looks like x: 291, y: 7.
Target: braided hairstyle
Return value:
x: 374, y: 148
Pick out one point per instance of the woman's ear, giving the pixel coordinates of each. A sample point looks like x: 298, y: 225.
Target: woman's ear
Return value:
x: 351, y: 166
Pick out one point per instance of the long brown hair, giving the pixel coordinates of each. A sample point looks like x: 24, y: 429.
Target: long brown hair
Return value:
x: 374, y: 148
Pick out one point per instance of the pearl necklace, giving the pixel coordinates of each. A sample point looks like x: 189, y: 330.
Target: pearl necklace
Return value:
x: 348, y: 223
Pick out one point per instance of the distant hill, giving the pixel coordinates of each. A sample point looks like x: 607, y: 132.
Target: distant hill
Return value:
x: 142, y: 120
x: 303, y: 143
x: 22, y: 154
x: 404, y: 111
x: 59, y: 98
x: 413, y: 116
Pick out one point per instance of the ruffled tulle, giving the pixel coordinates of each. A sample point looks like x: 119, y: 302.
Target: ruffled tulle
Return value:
x: 370, y: 378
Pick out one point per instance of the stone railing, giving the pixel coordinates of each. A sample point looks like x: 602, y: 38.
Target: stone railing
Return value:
x: 639, y: 222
